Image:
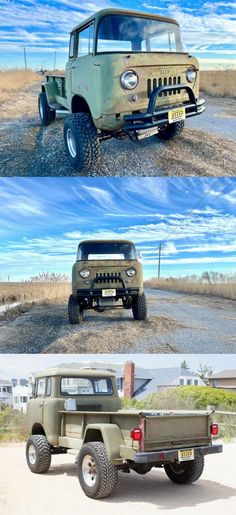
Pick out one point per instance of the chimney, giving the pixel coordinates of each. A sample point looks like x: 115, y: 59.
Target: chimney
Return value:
x: 128, y: 380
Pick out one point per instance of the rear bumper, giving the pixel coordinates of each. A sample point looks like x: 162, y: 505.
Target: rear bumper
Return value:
x: 172, y: 454
x: 157, y: 117
x: 97, y: 293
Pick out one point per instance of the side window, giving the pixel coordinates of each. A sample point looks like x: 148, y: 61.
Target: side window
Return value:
x: 85, y: 41
x: 48, y: 386
x: 72, y: 45
x: 41, y: 387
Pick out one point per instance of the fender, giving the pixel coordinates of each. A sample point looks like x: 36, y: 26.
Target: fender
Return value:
x: 110, y: 434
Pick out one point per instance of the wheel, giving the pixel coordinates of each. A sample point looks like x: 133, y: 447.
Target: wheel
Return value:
x: 38, y: 454
x: 186, y: 471
x: 97, y: 476
x: 139, y: 307
x: 46, y: 114
x: 75, y: 311
x: 171, y: 131
x: 81, y: 140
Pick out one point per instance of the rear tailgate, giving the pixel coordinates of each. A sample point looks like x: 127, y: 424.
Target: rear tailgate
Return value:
x: 174, y: 430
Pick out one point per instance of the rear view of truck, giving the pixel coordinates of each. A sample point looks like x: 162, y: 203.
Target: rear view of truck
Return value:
x: 80, y: 414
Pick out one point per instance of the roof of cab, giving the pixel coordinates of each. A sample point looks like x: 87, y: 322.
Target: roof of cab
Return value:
x: 105, y: 241
x: 74, y: 371
x: 104, y: 12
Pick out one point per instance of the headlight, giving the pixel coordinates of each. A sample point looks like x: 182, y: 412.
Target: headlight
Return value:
x: 129, y: 79
x: 84, y: 273
x: 131, y: 272
x: 191, y: 75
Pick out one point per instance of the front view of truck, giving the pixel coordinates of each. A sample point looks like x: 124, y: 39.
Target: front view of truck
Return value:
x: 149, y: 81
x: 106, y: 272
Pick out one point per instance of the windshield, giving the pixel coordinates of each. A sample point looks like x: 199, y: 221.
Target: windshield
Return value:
x: 106, y: 250
x: 118, y: 33
x: 86, y: 386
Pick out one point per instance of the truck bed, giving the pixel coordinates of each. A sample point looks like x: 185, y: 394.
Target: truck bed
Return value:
x: 161, y: 429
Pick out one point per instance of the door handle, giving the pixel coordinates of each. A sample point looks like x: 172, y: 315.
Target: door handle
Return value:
x: 41, y: 404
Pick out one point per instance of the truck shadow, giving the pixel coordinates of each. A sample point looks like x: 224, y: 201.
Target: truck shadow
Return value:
x: 157, y: 489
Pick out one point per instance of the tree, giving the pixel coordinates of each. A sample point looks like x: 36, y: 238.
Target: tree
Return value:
x: 184, y: 364
x: 204, y: 372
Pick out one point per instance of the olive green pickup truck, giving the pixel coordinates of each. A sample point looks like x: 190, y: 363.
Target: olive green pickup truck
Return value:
x: 107, y: 274
x: 77, y: 411
x: 128, y: 74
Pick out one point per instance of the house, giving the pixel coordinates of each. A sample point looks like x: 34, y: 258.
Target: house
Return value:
x: 225, y: 379
x: 137, y: 382
x: 5, y: 392
x: 21, y: 396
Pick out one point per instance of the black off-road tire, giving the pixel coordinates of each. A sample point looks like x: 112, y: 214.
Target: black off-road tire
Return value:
x: 106, y: 474
x: 172, y: 131
x: 42, y: 454
x: 190, y: 471
x: 81, y: 140
x: 75, y: 312
x: 139, y: 307
x: 46, y: 114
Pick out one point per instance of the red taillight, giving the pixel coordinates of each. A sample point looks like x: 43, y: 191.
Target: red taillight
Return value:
x: 214, y: 429
x: 136, y: 434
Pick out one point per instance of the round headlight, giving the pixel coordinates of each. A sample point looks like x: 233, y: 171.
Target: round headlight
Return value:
x: 191, y: 75
x: 131, y: 272
x: 129, y: 79
x: 84, y: 273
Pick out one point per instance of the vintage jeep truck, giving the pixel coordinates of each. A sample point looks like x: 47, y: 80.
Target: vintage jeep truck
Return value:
x: 77, y: 411
x: 128, y: 73
x: 106, y: 272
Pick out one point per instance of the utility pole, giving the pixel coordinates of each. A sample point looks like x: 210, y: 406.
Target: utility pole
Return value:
x: 25, y: 58
x: 55, y: 57
x: 159, y: 261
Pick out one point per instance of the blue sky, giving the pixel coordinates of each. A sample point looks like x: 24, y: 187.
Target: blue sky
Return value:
x: 42, y: 26
x: 42, y: 222
x: 23, y: 365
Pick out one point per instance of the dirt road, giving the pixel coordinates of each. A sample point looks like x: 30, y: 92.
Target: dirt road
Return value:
x: 58, y: 491
x: 206, y: 147
x: 176, y: 323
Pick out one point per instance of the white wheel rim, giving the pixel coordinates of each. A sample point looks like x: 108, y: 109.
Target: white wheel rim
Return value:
x: 71, y: 142
x: 40, y: 109
x: 32, y: 454
x: 89, y: 470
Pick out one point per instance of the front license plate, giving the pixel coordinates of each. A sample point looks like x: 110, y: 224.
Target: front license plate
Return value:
x: 176, y: 115
x: 186, y: 455
x: 109, y: 293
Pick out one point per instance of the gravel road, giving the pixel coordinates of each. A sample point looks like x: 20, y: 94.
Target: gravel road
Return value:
x: 206, y: 147
x: 58, y: 491
x: 177, y: 323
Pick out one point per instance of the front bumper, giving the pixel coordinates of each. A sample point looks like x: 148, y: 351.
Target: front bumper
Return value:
x: 157, y: 117
x: 97, y: 293
x: 172, y: 454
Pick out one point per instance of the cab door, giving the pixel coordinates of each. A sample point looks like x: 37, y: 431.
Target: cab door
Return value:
x: 81, y: 67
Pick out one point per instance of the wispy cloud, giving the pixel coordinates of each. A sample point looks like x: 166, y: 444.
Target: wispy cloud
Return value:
x: 193, y: 218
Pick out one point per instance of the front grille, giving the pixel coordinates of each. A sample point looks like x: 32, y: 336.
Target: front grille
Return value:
x: 167, y: 81
x: 108, y: 277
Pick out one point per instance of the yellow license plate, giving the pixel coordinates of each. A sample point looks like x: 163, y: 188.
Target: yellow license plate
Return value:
x: 186, y: 455
x: 109, y: 293
x: 176, y: 115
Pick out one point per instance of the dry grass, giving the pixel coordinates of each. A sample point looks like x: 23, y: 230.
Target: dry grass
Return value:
x: 12, y: 81
x: 219, y: 82
x: 30, y: 292
x: 225, y: 290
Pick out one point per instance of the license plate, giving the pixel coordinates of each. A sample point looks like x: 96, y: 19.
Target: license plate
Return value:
x: 109, y: 293
x: 186, y: 455
x: 176, y: 115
